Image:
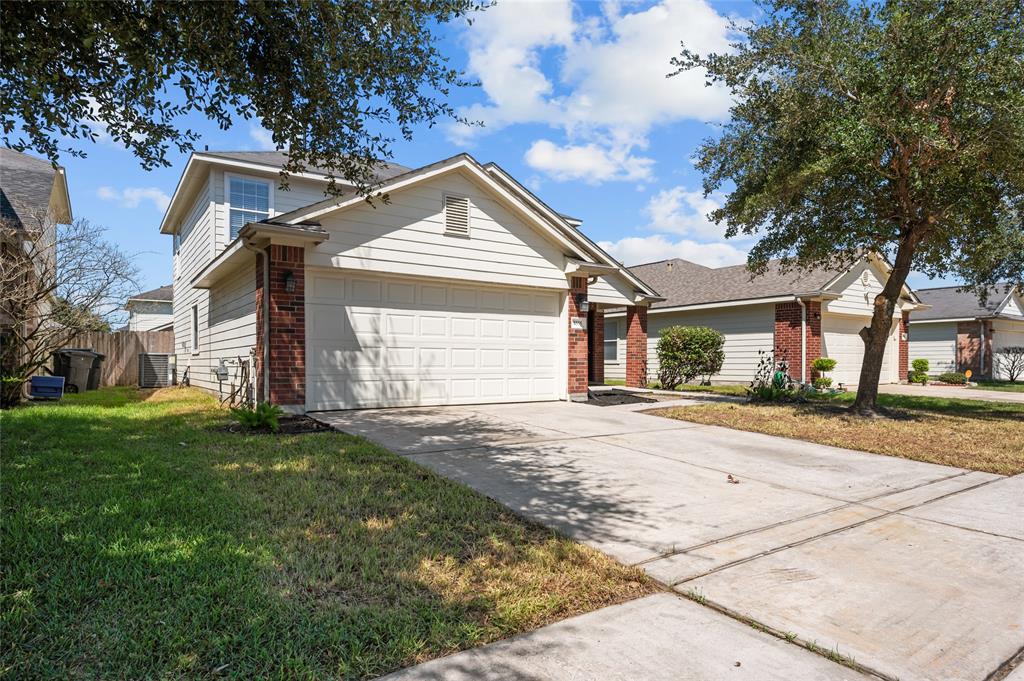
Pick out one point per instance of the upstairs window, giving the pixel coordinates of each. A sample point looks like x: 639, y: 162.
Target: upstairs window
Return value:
x: 249, y: 201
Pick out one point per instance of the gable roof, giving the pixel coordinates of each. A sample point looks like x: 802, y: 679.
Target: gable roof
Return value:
x: 555, y: 224
x: 687, y: 283
x: 27, y: 185
x: 162, y: 294
x: 277, y: 160
x: 951, y: 302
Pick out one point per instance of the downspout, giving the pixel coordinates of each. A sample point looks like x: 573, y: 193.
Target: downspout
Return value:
x: 803, y: 340
x: 266, y: 317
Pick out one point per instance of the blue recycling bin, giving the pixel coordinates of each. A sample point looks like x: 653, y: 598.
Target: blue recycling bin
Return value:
x: 46, y: 387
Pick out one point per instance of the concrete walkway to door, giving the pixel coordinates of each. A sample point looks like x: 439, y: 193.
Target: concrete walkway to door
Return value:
x: 910, y: 569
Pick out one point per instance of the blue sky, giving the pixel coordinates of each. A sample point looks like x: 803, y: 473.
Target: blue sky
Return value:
x: 575, y: 104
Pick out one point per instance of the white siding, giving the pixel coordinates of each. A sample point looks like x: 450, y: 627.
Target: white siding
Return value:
x: 406, y: 237
x: 611, y: 291
x: 747, y: 329
x: 856, y: 296
x: 1007, y: 333
x: 145, y: 316
x: 936, y: 343
x: 1012, y: 307
x: 227, y: 312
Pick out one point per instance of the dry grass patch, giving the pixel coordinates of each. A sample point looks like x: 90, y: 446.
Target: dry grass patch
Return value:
x: 976, y: 437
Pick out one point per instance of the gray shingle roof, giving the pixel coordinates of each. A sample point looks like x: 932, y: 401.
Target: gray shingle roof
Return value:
x: 162, y: 293
x: 26, y: 183
x: 686, y: 283
x: 949, y: 302
x: 278, y: 159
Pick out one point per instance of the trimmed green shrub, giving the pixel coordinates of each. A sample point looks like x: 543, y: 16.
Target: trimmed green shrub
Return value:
x: 686, y: 352
x: 920, y: 366
x: 263, y: 417
x: 954, y: 377
x: 822, y: 382
x: 824, y: 364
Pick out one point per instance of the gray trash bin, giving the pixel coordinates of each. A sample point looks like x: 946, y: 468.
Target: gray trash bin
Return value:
x: 76, y: 365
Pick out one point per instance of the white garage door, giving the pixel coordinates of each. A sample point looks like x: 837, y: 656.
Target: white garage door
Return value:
x: 1007, y: 334
x: 382, y: 342
x: 841, y: 341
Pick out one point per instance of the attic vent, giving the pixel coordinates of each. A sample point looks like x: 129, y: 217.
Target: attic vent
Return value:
x: 865, y: 277
x: 456, y: 215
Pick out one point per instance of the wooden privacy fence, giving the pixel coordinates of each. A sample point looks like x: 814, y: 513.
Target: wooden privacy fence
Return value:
x: 122, y: 348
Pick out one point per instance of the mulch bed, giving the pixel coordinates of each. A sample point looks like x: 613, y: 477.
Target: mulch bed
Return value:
x: 613, y: 397
x: 289, y: 425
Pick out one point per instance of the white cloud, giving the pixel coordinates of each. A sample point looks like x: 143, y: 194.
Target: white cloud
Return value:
x: 587, y: 162
x: 684, y: 212
x: 607, y: 85
x: 262, y: 137
x: 132, y: 197
x: 636, y: 250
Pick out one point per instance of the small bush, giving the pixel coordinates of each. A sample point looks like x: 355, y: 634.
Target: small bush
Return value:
x: 772, y: 382
x: 917, y: 378
x: 263, y: 417
x: 824, y: 364
x: 920, y: 366
x: 686, y: 352
x: 822, y: 382
x: 954, y: 377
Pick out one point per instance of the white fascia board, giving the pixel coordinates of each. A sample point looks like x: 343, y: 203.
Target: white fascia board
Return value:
x: 266, y: 168
x: 577, y: 235
x: 172, y: 207
x: 709, y: 306
x: 462, y: 163
x: 1006, y: 300
x: 942, y: 321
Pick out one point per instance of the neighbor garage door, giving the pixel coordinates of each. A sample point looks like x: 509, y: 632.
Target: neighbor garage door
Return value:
x: 841, y: 341
x: 381, y: 342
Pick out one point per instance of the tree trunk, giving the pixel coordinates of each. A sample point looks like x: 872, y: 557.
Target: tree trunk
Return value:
x: 876, y: 336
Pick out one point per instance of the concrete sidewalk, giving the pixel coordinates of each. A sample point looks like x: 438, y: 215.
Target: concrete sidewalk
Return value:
x: 952, y: 392
x: 909, y: 568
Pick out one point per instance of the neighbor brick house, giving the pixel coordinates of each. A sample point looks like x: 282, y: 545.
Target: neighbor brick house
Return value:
x: 800, y: 315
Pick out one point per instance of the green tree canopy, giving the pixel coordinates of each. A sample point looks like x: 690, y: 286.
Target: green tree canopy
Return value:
x: 893, y: 127
x: 324, y: 77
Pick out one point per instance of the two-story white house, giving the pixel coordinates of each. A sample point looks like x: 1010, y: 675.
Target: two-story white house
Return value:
x: 151, y: 310
x: 463, y: 287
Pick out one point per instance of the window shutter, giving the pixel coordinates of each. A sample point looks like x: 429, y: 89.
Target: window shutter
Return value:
x: 456, y: 215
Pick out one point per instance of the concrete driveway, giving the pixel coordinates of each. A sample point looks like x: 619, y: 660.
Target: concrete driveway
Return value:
x: 911, y: 570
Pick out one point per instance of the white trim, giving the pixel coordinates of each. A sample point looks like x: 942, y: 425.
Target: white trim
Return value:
x: 940, y: 321
x: 265, y: 167
x: 194, y: 330
x: 708, y: 306
x: 228, y: 176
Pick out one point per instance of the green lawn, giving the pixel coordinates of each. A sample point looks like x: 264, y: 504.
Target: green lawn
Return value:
x: 139, y: 542
x: 1006, y: 386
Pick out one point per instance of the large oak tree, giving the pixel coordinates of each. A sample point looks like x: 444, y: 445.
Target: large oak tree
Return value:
x: 333, y: 81
x: 894, y: 127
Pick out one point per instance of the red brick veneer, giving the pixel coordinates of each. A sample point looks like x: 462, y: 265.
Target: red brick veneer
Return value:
x: 595, y: 327
x: 904, y: 346
x: 287, y: 326
x: 636, y: 347
x: 578, y: 354
x: 788, y: 317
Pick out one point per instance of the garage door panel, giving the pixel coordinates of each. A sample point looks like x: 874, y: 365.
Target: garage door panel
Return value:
x: 841, y: 341
x: 429, y: 344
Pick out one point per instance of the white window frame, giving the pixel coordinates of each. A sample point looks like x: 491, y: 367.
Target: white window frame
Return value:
x: 194, y: 331
x: 227, y: 197
x: 614, y: 339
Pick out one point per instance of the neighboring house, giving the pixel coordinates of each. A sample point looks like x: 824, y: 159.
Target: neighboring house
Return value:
x: 798, y: 314
x: 33, y: 200
x: 960, y: 332
x: 151, y: 310
x: 462, y: 288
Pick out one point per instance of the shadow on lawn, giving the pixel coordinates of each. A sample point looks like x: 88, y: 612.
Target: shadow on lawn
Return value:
x: 161, y: 548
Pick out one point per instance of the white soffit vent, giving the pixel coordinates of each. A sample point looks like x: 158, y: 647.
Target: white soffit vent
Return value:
x: 456, y: 215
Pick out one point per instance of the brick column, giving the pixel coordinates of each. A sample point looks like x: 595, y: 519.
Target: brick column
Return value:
x: 636, y: 346
x: 595, y: 327
x: 904, y: 346
x: 788, y: 346
x: 287, y: 327
x: 578, y: 353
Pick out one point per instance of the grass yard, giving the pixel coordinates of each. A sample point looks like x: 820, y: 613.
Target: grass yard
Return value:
x: 982, y: 436
x: 141, y: 542
x: 1004, y: 386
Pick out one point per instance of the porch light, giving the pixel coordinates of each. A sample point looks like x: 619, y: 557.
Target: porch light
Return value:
x: 289, y: 282
x: 582, y: 304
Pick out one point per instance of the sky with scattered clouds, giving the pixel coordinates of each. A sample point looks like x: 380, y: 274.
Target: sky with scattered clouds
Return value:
x: 574, y: 102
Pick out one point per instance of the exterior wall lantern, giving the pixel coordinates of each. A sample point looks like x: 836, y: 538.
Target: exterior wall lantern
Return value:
x: 582, y: 304
x: 289, y: 282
